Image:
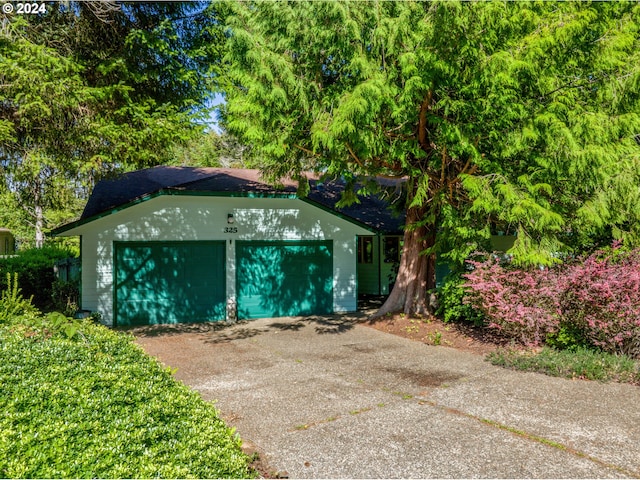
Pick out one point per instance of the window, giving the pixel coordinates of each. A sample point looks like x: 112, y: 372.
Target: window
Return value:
x: 365, y: 249
x: 391, y: 249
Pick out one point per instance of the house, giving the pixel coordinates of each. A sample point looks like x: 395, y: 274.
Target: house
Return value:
x: 184, y: 244
x: 7, y: 242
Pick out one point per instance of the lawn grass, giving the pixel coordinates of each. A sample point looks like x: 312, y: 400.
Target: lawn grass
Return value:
x: 579, y: 363
x: 96, y: 406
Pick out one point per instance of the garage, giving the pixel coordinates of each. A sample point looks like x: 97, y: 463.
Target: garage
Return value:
x: 284, y: 278
x: 188, y: 244
x: 169, y: 282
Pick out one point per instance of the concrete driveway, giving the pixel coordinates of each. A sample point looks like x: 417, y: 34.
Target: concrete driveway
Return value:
x: 328, y: 397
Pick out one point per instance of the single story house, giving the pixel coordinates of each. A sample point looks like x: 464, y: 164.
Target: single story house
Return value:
x: 186, y: 244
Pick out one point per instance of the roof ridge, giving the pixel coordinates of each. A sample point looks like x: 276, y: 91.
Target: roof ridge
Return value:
x: 217, y: 171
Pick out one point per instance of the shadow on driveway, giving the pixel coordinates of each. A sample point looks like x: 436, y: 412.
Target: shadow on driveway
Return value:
x: 229, y: 331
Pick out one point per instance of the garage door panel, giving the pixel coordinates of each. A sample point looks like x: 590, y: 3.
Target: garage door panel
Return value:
x: 278, y: 279
x: 159, y: 283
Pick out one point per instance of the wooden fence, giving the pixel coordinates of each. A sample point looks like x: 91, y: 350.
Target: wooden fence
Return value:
x: 67, y: 269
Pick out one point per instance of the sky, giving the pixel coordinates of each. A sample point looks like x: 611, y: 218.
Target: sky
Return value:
x: 212, y: 121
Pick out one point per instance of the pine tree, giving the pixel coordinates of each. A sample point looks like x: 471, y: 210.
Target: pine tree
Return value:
x: 88, y: 90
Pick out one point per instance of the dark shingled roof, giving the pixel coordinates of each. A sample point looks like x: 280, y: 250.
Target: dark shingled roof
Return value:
x: 110, y: 194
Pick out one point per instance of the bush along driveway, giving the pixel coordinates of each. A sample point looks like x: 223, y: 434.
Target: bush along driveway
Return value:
x: 95, y: 406
x: 328, y: 397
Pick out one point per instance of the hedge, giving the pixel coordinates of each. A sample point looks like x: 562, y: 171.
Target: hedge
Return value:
x: 35, y: 273
x: 96, y: 406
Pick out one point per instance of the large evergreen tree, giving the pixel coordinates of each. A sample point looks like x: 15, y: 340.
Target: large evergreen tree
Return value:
x: 90, y: 89
x: 517, y: 114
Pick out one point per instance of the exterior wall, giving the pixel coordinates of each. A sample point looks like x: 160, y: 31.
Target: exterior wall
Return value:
x: 369, y: 273
x: 205, y: 218
x: 377, y: 278
x: 499, y: 243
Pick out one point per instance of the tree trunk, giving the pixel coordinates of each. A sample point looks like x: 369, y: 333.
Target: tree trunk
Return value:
x: 39, y: 220
x: 417, y: 272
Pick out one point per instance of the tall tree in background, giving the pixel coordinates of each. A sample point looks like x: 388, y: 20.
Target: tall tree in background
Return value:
x: 86, y: 92
x: 46, y: 108
x: 215, y: 149
x: 515, y: 114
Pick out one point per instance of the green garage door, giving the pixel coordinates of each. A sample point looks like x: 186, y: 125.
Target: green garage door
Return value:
x: 169, y: 282
x: 280, y: 279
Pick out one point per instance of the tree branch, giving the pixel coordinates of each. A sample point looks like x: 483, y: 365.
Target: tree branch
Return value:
x: 566, y: 86
x: 306, y: 150
x: 353, y: 155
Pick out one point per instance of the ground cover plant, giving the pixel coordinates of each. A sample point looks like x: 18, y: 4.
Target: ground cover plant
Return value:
x: 579, y: 363
x: 86, y: 402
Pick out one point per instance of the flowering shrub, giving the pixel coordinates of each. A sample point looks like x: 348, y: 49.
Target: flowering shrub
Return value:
x: 596, y: 299
x: 601, y: 298
x: 521, y: 304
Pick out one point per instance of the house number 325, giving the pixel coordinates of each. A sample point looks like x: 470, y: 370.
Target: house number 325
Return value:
x: 230, y: 229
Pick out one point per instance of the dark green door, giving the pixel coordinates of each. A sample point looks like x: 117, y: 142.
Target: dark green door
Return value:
x: 169, y: 282
x: 280, y: 279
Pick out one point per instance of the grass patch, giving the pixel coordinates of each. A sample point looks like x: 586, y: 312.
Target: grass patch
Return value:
x: 96, y: 406
x: 579, y: 363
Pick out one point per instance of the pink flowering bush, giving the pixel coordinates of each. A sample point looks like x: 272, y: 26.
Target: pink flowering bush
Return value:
x: 596, y: 299
x: 601, y: 297
x: 521, y: 304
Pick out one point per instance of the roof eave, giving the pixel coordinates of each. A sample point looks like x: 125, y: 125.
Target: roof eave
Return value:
x: 164, y: 191
x: 348, y: 218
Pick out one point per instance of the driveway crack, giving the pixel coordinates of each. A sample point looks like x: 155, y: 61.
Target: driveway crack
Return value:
x: 531, y: 437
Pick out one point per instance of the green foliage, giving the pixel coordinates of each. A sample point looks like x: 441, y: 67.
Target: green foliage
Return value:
x: 567, y: 337
x: 18, y: 311
x: 578, y: 362
x: 451, y: 304
x: 212, y: 149
x: 65, y: 296
x: 117, y: 87
x: 101, y: 408
x: 35, y: 271
x: 523, y: 114
x: 40, y: 164
x: 13, y: 306
x: 58, y: 323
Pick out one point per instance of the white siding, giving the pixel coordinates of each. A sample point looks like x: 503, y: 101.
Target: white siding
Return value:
x: 205, y: 218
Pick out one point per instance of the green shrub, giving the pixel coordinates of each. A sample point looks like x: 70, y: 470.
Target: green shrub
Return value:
x: 568, y: 337
x: 451, y: 302
x: 35, y: 270
x: 14, y: 308
x: 19, y: 311
x: 65, y: 296
x: 98, y: 407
